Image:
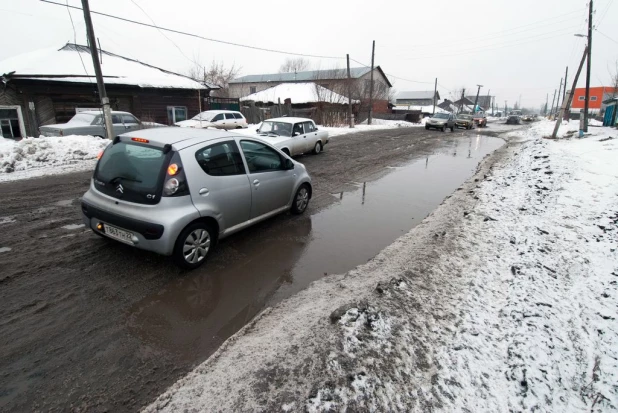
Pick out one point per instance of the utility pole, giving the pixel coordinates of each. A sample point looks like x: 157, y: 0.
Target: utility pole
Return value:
x: 588, y: 68
x: 492, y: 106
x: 552, y: 104
x: 107, y: 113
x: 488, y: 100
x: 349, y: 94
x: 373, y: 53
x: 566, y: 104
x: 546, y: 104
x: 463, y: 92
x: 476, y: 100
x: 435, y: 92
x: 505, y: 108
x: 579, y: 70
x: 566, y: 76
x: 558, y: 96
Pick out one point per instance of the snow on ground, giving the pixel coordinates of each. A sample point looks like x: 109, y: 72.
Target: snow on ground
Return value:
x: 503, y: 299
x: 333, y: 131
x: 33, y: 157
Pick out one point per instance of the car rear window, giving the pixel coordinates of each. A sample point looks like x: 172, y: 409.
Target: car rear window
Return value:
x: 137, y: 168
x: 82, y: 118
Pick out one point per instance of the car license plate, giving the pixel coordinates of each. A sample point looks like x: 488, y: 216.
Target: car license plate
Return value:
x: 119, y: 234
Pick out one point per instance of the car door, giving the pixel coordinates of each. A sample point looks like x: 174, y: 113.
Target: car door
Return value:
x: 218, y: 121
x: 311, y: 135
x: 272, y: 184
x: 218, y: 182
x: 299, y: 139
x: 118, y: 125
x: 230, y: 121
x: 130, y: 122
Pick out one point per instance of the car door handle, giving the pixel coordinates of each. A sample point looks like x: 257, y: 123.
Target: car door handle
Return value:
x: 256, y: 182
x: 204, y: 191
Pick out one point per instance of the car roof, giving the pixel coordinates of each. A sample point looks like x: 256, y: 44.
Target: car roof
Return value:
x: 98, y: 112
x: 180, y: 138
x: 220, y: 111
x: 290, y: 119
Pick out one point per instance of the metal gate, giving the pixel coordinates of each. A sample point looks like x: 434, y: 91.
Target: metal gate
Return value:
x: 214, y: 103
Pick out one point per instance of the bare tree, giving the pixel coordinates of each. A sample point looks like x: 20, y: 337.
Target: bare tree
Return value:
x: 293, y: 65
x: 216, y: 74
x: 614, y: 80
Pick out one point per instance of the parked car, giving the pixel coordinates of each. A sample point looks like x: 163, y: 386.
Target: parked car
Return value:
x: 464, y: 121
x: 294, y: 136
x: 220, y: 119
x: 513, y: 120
x: 480, y: 119
x: 91, y: 122
x: 441, y: 121
x: 177, y: 191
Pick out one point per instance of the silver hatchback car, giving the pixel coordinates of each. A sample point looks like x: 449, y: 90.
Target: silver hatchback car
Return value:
x: 176, y: 191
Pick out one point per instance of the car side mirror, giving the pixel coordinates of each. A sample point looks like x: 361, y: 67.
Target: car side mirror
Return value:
x: 296, y: 134
x: 315, y: 128
x: 289, y: 165
x: 257, y: 130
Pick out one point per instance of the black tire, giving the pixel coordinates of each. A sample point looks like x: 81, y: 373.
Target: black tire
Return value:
x: 426, y: 127
x: 452, y: 129
x: 297, y: 206
x: 188, y: 237
x: 443, y: 128
x: 317, y: 148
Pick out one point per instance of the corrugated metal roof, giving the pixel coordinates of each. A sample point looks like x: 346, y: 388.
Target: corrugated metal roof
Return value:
x: 306, y: 76
x: 415, y: 95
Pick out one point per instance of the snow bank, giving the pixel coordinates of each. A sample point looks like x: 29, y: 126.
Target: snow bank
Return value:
x: 504, y: 299
x: 32, y: 157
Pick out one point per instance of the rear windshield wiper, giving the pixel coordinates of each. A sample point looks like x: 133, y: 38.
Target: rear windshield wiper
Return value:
x: 113, y: 180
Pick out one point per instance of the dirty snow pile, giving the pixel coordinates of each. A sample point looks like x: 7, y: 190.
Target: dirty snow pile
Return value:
x: 47, y: 155
x: 503, y: 299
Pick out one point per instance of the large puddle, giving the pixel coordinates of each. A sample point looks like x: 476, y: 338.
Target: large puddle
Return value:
x: 193, y: 315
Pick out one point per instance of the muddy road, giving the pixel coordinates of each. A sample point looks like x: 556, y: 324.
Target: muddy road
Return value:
x: 87, y: 324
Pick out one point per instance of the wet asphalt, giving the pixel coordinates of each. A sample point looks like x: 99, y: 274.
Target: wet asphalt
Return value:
x: 87, y: 324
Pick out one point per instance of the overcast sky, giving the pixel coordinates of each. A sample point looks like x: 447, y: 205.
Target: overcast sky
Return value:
x: 511, y: 47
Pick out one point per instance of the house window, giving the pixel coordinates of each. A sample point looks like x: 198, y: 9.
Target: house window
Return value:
x: 176, y: 114
x: 252, y: 89
x: 593, y: 98
x: 11, y: 122
x: 581, y: 98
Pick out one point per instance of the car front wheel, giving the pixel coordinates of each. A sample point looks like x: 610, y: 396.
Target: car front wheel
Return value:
x: 317, y: 148
x: 193, y: 245
x: 301, y: 200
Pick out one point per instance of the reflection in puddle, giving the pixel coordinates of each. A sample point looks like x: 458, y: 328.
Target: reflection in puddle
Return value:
x: 193, y: 315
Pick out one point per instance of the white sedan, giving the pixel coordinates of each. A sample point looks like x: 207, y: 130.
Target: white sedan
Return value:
x: 294, y: 136
x: 220, y: 119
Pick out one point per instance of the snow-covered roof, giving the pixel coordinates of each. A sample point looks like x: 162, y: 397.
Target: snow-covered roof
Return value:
x: 415, y: 95
x: 306, y: 92
x: 65, y: 65
x: 423, y: 109
x: 309, y: 75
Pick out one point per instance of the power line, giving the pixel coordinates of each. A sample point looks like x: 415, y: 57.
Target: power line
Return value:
x: 605, y: 12
x: 597, y: 30
x: 388, y: 74
x: 75, y: 40
x: 197, y: 35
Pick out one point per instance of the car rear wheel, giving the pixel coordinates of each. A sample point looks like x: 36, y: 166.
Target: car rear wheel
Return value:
x: 301, y: 200
x: 317, y: 148
x: 193, y: 245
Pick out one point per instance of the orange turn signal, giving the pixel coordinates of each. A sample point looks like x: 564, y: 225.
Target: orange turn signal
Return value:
x: 172, y: 169
x: 142, y: 140
x: 100, y: 154
x: 100, y: 226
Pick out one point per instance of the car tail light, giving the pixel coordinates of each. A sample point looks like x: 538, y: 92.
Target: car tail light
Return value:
x: 141, y: 140
x: 175, y: 183
x: 100, y: 154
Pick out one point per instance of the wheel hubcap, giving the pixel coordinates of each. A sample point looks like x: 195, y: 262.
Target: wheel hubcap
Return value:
x: 196, y: 246
x: 302, y: 199
x: 318, y: 148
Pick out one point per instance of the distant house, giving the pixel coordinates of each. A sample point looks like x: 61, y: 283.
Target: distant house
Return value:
x: 335, y: 80
x: 305, y: 93
x: 597, y: 96
x: 48, y: 86
x: 417, y: 98
x: 484, y: 101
